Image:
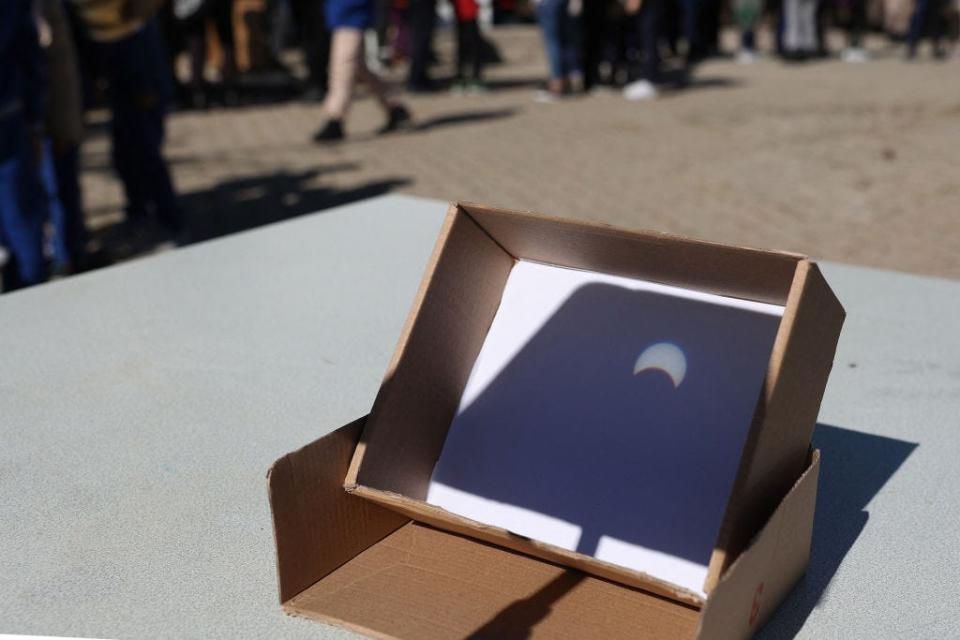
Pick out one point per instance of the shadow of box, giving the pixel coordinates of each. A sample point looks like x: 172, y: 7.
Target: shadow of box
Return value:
x: 720, y: 476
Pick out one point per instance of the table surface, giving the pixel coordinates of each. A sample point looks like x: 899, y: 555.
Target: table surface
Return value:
x: 141, y: 405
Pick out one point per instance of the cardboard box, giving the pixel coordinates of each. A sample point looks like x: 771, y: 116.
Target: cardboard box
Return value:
x: 380, y: 559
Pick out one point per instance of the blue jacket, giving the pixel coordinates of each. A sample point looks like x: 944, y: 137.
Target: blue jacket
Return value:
x: 355, y: 14
x: 21, y: 73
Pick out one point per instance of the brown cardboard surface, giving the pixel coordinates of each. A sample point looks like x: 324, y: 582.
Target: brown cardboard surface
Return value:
x: 438, y: 517
x: 445, y: 330
x: 427, y: 584
x: 458, y: 298
x: 738, y: 272
x: 762, y: 576
x: 776, y: 449
x: 420, y: 582
x: 317, y: 526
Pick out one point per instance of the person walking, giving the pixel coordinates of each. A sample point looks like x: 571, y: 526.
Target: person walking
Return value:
x: 348, y: 19
x: 133, y: 60
x: 22, y: 95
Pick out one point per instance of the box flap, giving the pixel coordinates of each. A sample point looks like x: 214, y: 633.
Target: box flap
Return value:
x: 762, y: 576
x: 421, y: 389
x: 317, y: 526
x: 739, y: 272
x: 779, y: 441
x: 427, y: 584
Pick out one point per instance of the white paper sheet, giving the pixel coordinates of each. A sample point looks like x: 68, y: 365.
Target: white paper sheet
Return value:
x: 607, y: 415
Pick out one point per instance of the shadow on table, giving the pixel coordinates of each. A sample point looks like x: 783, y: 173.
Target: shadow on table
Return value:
x: 243, y: 203
x: 855, y: 467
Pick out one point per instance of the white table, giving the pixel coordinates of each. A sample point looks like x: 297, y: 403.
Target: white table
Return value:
x: 141, y: 405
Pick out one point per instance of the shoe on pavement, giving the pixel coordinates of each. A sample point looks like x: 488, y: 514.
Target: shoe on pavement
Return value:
x: 477, y: 88
x: 398, y: 118
x: 640, y: 90
x: 855, y: 55
x: 330, y: 132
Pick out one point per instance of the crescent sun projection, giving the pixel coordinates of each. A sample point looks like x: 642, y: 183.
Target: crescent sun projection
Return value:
x: 665, y: 357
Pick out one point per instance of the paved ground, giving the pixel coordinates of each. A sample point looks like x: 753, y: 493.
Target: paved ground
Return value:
x: 855, y: 163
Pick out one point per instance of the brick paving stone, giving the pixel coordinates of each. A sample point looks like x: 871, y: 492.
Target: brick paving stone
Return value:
x: 855, y: 163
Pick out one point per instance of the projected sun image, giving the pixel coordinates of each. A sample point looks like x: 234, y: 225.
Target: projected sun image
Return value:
x: 666, y: 357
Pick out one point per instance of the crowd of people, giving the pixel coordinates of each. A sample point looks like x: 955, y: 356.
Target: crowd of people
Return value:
x: 61, y: 56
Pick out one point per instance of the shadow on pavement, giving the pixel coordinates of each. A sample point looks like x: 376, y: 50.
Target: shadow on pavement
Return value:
x: 463, y: 117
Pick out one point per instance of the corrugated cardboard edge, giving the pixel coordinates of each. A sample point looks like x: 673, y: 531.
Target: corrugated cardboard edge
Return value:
x: 762, y: 576
x: 445, y: 329
x: 317, y: 527
x: 438, y: 247
x: 292, y: 609
x: 604, y: 228
x: 533, y: 236
x: 305, y: 489
x: 777, y: 447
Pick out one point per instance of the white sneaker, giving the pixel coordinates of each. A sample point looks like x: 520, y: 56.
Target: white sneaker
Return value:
x: 855, y: 55
x: 543, y: 96
x: 746, y: 56
x: 640, y: 90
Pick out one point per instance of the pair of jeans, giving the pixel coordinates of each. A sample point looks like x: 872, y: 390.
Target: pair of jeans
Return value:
x: 22, y: 206
x: 423, y: 17
x: 61, y: 182
x: 927, y: 19
x: 652, y: 15
x: 561, y: 37
x: 800, y: 26
x: 469, y: 50
x: 140, y: 88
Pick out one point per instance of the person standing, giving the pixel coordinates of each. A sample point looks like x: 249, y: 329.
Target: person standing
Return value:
x: 800, y: 40
x: 133, y: 60
x: 560, y: 26
x: 469, y: 48
x: 651, y: 15
x: 64, y: 130
x: 927, y: 19
x: 856, y: 14
x: 595, y: 25
x: 22, y: 95
x: 423, y: 20
x: 348, y: 19
x: 314, y: 42
x: 746, y: 15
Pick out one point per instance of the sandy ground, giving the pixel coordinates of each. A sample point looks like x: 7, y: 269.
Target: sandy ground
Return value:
x: 854, y: 163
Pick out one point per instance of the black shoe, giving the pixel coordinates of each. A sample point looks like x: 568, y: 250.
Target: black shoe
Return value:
x: 398, y: 118
x: 331, y: 132
x: 423, y: 85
